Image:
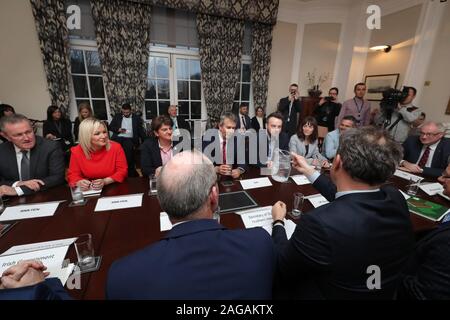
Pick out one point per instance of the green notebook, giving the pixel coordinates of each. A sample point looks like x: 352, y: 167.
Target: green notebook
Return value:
x: 426, y: 209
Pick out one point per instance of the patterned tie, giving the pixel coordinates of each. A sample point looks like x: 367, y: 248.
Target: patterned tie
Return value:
x: 424, y: 159
x: 224, y: 152
x: 25, y: 166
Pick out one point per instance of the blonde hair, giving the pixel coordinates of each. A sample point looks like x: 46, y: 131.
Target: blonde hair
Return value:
x: 84, y: 105
x: 87, y: 129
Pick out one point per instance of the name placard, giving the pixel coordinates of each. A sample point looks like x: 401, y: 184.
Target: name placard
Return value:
x: 120, y: 202
x: 29, y: 211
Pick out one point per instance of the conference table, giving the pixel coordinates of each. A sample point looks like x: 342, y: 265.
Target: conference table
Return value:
x: 117, y: 233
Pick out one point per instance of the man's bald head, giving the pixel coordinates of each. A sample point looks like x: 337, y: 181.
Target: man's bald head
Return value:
x: 185, y: 183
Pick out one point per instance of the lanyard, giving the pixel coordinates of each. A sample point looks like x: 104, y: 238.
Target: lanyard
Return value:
x: 358, y: 107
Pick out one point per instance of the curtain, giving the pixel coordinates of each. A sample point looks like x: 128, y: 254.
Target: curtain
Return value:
x: 261, y: 49
x: 50, y: 20
x: 220, y: 52
x: 123, y: 38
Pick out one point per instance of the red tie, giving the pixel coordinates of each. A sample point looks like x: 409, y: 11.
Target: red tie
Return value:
x: 424, y: 159
x: 224, y: 151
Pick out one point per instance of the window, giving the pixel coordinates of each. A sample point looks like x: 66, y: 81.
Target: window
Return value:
x: 189, y: 87
x: 87, y: 81
x: 243, y: 91
x: 157, y: 96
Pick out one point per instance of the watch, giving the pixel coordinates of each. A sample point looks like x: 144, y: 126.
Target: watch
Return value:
x: 277, y: 221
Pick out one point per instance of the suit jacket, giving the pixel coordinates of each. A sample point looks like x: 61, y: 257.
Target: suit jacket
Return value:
x: 46, y: 163
x: 50, y: 289
x: 138, y: 128
x: 151, y: 155
x: 290, y: 127
x: 198, y: 259
x: 255, y: 123
x: 428, y: 272
x: 299, y: 147
x: 332, y: 247
x: 283, y: 144
x: 65, y: 132
x: 182, y: 123
x: 248, y: 122
x: 411, y: 152
x: 239, y: 158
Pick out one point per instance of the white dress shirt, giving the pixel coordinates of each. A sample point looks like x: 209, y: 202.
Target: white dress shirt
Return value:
x: 127, y: 124
x: 19, y: 156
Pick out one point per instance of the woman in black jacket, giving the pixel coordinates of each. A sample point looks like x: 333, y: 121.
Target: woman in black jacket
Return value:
x: 58, y: 128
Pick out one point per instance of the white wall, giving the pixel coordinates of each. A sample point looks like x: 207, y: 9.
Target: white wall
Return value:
x: 22, y: 83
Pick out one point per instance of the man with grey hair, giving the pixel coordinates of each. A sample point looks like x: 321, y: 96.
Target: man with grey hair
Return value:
x: 198, y: 258
x: 29, y: 163
x: 356, y: 246
x: 427, y: 153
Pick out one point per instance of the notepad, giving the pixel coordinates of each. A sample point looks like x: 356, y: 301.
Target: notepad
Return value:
x: 317, y: 200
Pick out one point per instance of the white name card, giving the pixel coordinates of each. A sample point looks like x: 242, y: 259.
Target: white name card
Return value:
x: 255, y: 183
x: 120, y: 202
x: 406, y: 196
x: 257, y: 217
x: 300, y: 180
x: 289, y: 226
x: 317, y: 200
x: 29, y: 211
x: 407, y: 175
x: 432, y: 189
x: 39, y: 246
x: 164, y: 222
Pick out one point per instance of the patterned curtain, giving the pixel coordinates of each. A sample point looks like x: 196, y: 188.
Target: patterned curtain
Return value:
x: 261, y: 48
x: 263, y: 11
x: 220, y: 59
x: 50, y: 20
x: 123, y: 38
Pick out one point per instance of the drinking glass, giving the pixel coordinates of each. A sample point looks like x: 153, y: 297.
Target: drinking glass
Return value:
x: 85, y: 251
x: 152, y: 183
x: 412, y: 187
x: 281, y: 165
x: 298, y: 203
x: 216, y: 214
x: 77, y: 195
x: 2, y: 205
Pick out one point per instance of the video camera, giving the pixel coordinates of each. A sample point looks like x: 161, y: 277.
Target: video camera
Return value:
x: 391, y: 99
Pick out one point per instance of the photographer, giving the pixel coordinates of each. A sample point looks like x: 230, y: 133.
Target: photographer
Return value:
x: 402, y: 117
x: 289, y: 108
x: 328, y: 109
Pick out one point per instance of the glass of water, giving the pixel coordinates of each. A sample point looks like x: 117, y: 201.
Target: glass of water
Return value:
x: 85, y: 251
x: 216, y: 214
x: 412, y: 187
x: 2, y: 205
x: 77, y: 195
x: 152, y: 184
x: 298, y: 204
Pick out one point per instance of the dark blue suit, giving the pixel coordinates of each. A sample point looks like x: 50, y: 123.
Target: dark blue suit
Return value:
x: 50, y: 289
x: 236, y: 155
x: 412, y: 148
x: 283, y: 144
x: 198, y: 259
x: 333, y: 246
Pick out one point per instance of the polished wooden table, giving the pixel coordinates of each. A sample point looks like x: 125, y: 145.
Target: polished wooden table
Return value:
x: 118, y: 233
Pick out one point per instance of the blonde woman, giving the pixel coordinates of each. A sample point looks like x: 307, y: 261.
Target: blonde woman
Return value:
x: 96, y: 161
x: 84, y: 112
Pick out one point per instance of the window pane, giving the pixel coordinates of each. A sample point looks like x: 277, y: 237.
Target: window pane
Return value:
x: 150, y: 93
x: 245, y: 92
x: 195, y: 90
x: 246, y: 73
x: 195, y: 69
x: 77, y: 61
x: 150, y: 109
x: 163, y: 107
x: 80, y: 86
x: 182, y: 69
x: 183, y: 90
x: 163, y: 89
x: 237, y: 96
x: 196, y: 109
x: 100, y: 109
x: 151, y: 68
x: 183, y: 107
x: 162, y: 68
x: 93, y: 62
x: 96, y: 84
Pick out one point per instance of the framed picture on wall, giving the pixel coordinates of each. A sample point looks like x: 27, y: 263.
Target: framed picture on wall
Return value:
x: 376, y: 84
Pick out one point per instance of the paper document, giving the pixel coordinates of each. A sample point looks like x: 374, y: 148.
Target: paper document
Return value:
x: 164, y: 221
x: 120, y: 202
x: 28, y: 211
x: 255, y: 183
x: 92, y: 192
x: 406, y: 196
x: 300, y: 180
x: 62, y: 274
x: 407, y: 175
x: 289, y: 225
x: 317, y: 200
x: 39, y: 246
x: 432, y: 189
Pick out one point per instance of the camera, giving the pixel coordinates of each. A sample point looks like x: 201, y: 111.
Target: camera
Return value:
x: 329, y: 98
x: 391, y: 99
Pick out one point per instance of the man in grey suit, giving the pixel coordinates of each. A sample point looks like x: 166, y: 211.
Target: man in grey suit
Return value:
x: 28, y: 163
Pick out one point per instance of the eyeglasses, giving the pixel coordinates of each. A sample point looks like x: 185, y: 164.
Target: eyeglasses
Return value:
x: 429, y: 134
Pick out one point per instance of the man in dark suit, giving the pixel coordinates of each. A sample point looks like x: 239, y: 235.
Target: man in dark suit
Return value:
x: 290, y: 107
x: 231, y: 156
x: 243, y: 122
x: 356, y: 246
x: 198, y: 258
x: 29, y: 163
x: 274, y: 137
x: 177, y: 121
x: 428, y: 153
x: 128, y: 130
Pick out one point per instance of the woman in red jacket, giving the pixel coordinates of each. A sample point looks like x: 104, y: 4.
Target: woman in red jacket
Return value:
x: 96, y: 161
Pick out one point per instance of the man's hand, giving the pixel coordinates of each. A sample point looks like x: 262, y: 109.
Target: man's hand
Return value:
x: 236, y: 173
x: 225, y: 169
x: 158, y: 171
x: 25, y: 273
x: 50, y: 136
x: 279, y: 211
x: 34, y: 184
x: 302, y: 166
x: 84, y: 185
x: 98, y: 184
x: 410, y: 167
x: 322, y: 101
x: 7, y: 191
